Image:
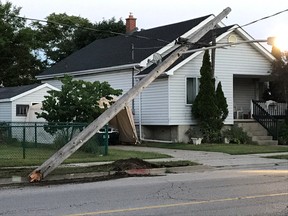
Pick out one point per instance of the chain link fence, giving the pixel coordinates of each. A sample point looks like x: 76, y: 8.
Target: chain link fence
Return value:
x: 31, y: 143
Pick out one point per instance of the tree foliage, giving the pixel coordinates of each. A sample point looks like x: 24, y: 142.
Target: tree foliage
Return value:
x: 78, y: 101
x: 63, y: 34
x: 221, y: 102
x: 26, y: 49
x: 279, y: 85
x: 209, y: 107
x: 18, y: 64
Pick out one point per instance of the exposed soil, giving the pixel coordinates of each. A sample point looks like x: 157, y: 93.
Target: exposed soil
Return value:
x: 132, y: 163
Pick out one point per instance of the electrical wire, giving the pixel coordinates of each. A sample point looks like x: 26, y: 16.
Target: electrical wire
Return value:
x: 263, y: 18
x: 94, y: 29
x: 143, y: 37
x: 138, y: 36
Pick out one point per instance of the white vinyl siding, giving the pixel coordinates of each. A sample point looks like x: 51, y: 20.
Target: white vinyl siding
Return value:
x: 180, y: 113
x: 242, y: 59
x: 154, y: 104
x: 117, y: 80
x: 239, y: 60
x: 34, y: 97
x: 244, y: 91
x: 5, y: 111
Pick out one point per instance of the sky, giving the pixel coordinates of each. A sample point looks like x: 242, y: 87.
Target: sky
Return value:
x: 153, y: 13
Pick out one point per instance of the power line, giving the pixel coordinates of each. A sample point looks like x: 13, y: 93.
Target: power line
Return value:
x: 263, y: 18
x: 139, y: 36
x: 94, y: 29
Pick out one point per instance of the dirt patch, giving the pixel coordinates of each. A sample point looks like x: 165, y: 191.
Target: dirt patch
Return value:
x: 132, y: 163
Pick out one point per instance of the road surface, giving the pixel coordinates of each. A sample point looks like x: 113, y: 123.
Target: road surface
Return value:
x: 252, y: 191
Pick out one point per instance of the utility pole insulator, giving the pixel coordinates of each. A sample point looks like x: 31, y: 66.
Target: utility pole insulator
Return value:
x: 182, y: 41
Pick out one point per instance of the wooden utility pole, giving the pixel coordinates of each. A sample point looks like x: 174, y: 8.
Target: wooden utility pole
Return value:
x: 55, y: 160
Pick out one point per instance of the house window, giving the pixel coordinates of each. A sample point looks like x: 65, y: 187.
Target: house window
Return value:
x: 191, y: 89
x: 21, y: 110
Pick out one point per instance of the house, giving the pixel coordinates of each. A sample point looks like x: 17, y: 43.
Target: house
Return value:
x: 163, y: 110
x: 15, y: 102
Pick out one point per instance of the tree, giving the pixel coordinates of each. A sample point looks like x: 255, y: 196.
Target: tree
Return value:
x: 221, y: 102
x: 78, y: 101
x: 18, y: 64
x: 62, y: 34
x: 279, y: 85
x: 209, y: 106
x: 26, y: 50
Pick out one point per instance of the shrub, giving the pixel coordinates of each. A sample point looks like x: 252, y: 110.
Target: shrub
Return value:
x: 193, y: 132
x: 236, y: 135
x: 283, y: 134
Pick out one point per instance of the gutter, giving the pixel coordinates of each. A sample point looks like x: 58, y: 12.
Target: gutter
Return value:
x: 87, y: 72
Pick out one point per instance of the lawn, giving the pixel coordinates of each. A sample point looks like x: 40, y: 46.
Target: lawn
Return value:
x: 13, y: 156
x: 233, y: 149
x: 285, y: 157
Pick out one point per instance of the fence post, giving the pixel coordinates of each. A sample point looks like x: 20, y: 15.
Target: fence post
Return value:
x: 9, y: 131
x: 24, y: 141
x: 35, y: 135
x: 106, y: 140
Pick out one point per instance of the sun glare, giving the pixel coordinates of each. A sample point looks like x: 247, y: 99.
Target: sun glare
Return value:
x: 281, y: 42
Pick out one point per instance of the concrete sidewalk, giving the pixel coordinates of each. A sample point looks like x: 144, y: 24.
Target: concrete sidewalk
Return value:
x: 212, y: 159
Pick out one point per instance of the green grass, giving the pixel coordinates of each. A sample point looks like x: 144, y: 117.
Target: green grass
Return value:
x: 285, y: 157
x: 13, y: 156
x: 233, y: 149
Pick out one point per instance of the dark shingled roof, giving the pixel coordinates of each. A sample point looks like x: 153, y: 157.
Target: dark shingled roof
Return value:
x: 116, y: 51
x: 9, y: 92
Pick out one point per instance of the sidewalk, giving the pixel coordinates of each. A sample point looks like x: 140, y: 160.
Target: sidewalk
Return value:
x: 212, y: 159
x: 207, y: 160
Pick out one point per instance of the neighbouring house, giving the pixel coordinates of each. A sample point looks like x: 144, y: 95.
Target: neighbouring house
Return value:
x: 18, y: 107
x: 163, y: 110
x: 17, y: 102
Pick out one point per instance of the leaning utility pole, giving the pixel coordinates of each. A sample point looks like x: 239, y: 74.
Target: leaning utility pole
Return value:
x: 73, y: 145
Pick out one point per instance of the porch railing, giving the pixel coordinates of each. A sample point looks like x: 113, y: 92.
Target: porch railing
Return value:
x: 268, y: 121
x: 277, y: 110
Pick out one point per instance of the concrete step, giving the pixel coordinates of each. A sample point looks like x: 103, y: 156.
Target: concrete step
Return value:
x: 256, y: 138
x: 257, y: 133
x: 250, y: 125
x: 252, y: 128
x: 267, y: 142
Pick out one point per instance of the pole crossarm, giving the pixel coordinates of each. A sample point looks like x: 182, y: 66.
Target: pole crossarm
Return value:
x: 225, y: 45
x: 55, y: 160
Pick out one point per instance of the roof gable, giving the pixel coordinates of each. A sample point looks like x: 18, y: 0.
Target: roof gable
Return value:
x: 13, y: 93
x: 206, y: 39
x: 117, y: 51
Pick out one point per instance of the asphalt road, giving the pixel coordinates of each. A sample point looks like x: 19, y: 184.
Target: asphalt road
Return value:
x: 254, y: 191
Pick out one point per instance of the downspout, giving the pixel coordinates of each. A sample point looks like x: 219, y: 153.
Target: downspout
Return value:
x: 133, y: 74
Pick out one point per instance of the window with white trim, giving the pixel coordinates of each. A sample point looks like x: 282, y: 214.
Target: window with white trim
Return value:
x: 21, y: 109
x: 191, y: 89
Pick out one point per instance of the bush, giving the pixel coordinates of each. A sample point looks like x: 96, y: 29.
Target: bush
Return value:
x: 91, y: 146
x: 283, y: 134
x: 236, y: 135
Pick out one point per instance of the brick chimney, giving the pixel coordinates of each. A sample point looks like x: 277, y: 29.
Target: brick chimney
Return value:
x: 130, y: 24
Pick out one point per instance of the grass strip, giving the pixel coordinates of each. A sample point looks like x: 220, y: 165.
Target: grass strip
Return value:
x: 24, y: 172
x: 233, y: 149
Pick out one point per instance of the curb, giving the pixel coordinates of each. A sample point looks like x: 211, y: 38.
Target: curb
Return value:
x: 101, y: 176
